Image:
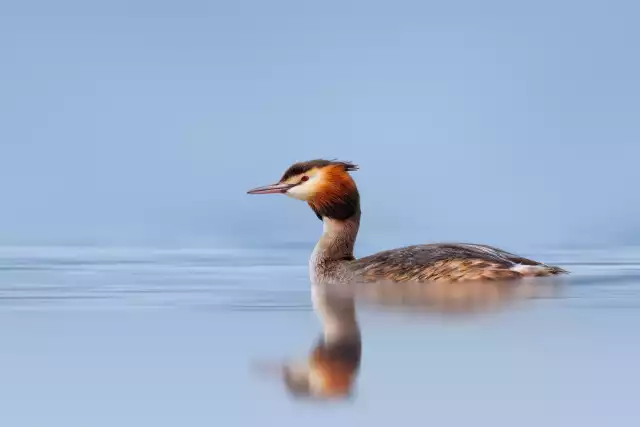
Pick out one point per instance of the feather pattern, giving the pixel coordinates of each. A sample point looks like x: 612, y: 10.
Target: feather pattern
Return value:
x: 448, y: 262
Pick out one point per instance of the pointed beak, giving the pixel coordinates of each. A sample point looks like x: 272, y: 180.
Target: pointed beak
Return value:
x: 278, y: 188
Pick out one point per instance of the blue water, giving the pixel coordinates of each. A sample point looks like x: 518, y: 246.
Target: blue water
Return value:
x: 166, y: 337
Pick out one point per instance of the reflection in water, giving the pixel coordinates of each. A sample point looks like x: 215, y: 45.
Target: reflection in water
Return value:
x: 453, y: 297
x: 333, y: 364
x: 334, y: 361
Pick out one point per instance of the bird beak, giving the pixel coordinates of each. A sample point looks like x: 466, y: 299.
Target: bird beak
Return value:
x: 278, y: 188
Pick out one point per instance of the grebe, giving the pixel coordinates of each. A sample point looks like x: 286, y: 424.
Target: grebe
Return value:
x: 331, y: 192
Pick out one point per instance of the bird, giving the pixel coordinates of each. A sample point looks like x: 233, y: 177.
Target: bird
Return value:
x: 331, y: 192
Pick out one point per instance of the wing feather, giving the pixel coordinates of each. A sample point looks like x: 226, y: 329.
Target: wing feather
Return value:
x: 447, y: 262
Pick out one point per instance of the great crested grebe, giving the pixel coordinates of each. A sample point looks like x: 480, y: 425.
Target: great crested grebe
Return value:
x: 332, y: 194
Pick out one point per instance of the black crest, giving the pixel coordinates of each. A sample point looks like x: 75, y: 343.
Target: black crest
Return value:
x: 302, y: 167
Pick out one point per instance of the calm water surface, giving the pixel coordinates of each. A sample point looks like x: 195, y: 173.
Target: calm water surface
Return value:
x: 137, y: 337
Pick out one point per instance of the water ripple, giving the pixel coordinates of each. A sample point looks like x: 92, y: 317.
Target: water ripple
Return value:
x: 238, y: 279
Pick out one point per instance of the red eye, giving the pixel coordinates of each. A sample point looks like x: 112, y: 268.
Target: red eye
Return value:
x: 304, y: 178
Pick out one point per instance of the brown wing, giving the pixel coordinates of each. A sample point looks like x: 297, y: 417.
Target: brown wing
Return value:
x: 446, y: 262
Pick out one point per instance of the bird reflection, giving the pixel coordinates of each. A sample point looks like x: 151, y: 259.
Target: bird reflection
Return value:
x: 334, y: 361
x: 467, y: 297
x: 333, y: 364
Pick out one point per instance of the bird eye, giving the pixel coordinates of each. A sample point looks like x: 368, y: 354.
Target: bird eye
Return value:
x: 304, y: 178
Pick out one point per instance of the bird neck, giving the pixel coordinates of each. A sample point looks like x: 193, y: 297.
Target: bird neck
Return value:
x: 338, y: 239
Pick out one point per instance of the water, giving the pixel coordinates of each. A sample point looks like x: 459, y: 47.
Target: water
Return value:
x: 136, y: 337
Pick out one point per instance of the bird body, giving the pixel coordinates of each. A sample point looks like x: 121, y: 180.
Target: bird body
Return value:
x: 333, y: 196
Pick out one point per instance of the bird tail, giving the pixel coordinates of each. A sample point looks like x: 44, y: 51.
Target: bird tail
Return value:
x: 539, y: 270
